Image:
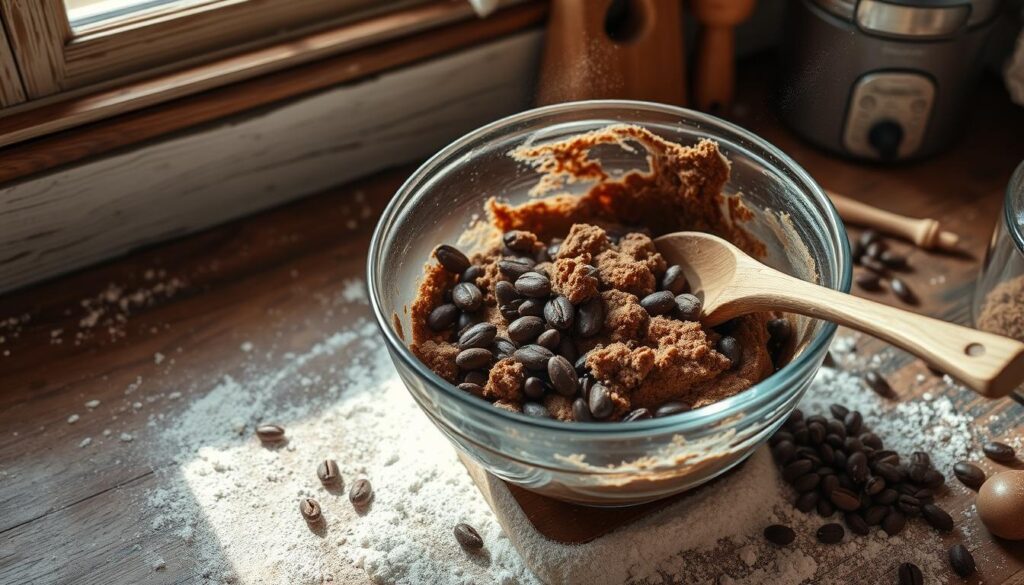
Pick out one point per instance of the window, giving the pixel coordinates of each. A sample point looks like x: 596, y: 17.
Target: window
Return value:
x: 56, y: 46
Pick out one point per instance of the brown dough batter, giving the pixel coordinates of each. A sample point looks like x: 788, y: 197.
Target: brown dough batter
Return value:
x: 607, y: 257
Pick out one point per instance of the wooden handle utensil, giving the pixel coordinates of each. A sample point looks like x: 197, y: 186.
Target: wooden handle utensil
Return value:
x: 926, y: 233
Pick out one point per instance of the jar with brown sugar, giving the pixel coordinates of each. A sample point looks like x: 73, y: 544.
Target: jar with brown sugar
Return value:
x: 998, y: 304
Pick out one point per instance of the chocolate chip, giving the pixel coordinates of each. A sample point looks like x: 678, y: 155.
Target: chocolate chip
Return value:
x: 1000, y: 452
x: 550, y: 339
x: 580, y: 410
x: 688, y: 307
x: 473, y: 358
x: 937, y: 517
x: 878, y: 384
x: 361, y: 493
x: 559, y: 313
x: 563, y: 376
x: 518, y: 241
x: 590, y: 317
x: 310, y: 510
x: 670, y: 408
x: 779, y: 534
x: 451, y: 259
x: 961, y: 560
x: 910, y: 574
x: 638, y: 414
x: 535, y: 410
x: 467, y: 537
x: 328, y: 472
x: 534, y: 357
x: 270, y: 433
x: 534, y: 285
x: 525, y: 329
x: 600, y: 401
x: 674, y: 280
x: 480, y: 335
x: 902, y: 291
x: 514, y: 267
x: 532, y: 308
x: 467, y: 296
x: 505, y: 292
x: 730, y: 348
x: 471, y: 274
x: 659, y: 303
x: 442, y: 317
x: 969, y: 474
x: 831, y: 533
x: 868, y: 281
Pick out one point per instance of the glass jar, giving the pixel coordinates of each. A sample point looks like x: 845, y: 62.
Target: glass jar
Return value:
x: 998, y: 305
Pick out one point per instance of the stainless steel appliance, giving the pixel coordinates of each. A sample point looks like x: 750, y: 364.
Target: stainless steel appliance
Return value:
x: 882, y: 79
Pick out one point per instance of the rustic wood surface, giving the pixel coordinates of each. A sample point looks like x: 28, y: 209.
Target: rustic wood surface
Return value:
x: 65, y: 512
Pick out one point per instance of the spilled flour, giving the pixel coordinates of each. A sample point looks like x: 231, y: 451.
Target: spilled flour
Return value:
x: 235, y: 502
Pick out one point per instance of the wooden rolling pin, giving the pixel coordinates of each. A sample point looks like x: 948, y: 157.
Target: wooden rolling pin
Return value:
x: 715, y: 78
x: 927, y: 233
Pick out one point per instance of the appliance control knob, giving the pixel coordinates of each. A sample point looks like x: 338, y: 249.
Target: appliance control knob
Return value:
x: 885, y: 137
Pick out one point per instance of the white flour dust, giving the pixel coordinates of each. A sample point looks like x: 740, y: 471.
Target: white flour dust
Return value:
x: 235, y: 502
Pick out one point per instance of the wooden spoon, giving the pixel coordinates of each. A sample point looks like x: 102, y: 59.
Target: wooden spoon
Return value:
x: 730, y: 284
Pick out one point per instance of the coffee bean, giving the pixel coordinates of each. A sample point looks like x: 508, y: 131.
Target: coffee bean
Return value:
x: 590, y: 317
x: 835, y: 427
x: 514, y: 267
x: 961, y: 560
x: 534, y: 388
x: 638, y: 414
x: 825, y: 508
x: 481, y: 335
x: 532, y: 308
x: 535, y: 410
x: 910, y: 574
x: 467, y: 537
x: 509, y: 312
x: 270, y: 433
x: 925, y: 496
x: 730, y: 348
x: 580, y: 411
x: 559, y: 313
x: 852, y: 445
x: 534, y: 357
x: 878, y: 384
x: 856, y: 523
x: 844, y: 499
x: 688, y: 307
x: 794, y: 417
x: 783, y: 452
x: 467, y: 296
x: 807, y: 482
x: 473, y: 358
x: 779, y: 534
x: 1000, y: 452
x: 310, y: 510
x: 567, y: 349
x: 674, y: 280
x: 874, y: 485
x: 891, y: 473
x: 875, y: 249
x: 581, y: 364
x: 933, y: 479
x: 328, y: 472
x: 525, y: 329
x: 874, y: 265
x: 550, y: 339
x: 829, y: 484
x: 779, y: 330
x: 871, y: 440
x: 908, y: 504
x: 816, y: 433
x: 894, y: 522
x: 887, y: 497
x: 817, y: 418
x: 969, y: 474
x: 475, y: 377
x: 472, y: 388
x: 893, y: 260
x: 505, y: 292
x: 857, y: 467
x: 902, y: 291
x: 797, y: 469
x: 827, y: 453
x: 451, y: 259
x: 563, y: 376
x: 442, y: 317
x: 533, y: 285
x: 884, y: 456
x: 361, y: 493
x: 670, y: 408
x: 831, y: 533
x: 504, y: 347
x: 868, y: 237
x: 807, y: 501
x: 471, y: 274
x: 780, y: 436
x: 875, y: 514
x: 868, y: 281
x: 600, y: 401
x: 937, y: 517
x: 467, y: 320
x: 801, y: 434
x: 518, y: 241
x: 916, y: 472
x: 554, y: 246
x: 853, y: 422
x: 659, y: 303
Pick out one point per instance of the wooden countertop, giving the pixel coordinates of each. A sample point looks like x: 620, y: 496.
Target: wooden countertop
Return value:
x: 260, y: 277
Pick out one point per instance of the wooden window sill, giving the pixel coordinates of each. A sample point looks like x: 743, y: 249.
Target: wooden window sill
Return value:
x: 39, y: 136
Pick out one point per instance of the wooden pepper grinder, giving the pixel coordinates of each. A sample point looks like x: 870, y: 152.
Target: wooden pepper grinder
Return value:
x: 625, y: 49
x: 715, y: 79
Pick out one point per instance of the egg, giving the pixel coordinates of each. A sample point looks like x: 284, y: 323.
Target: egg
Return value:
x: 1001, y: 504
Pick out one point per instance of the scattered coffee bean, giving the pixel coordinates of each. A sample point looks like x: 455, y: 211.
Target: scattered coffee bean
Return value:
x: 590, y: 317
x: 328, y: 472
x: 567, y: 349
x: 807, y: 501
x: 825, y: 508
x: 670, y: 408
x: 467, y: 320
x: 514, y: 267
x: 937, y: 517
x: 534, y: 357
x: 933, y: 479
x: 270, y: 433
x: 504, y: 347
x: 310, y: 510
x: 969, y: 474
x: 894, y: 522
x: 909, y: 505
x: 659, y: 303
x: 559, y: 313
x: 783, y: 452
x: 730, y: 348
x: 674, y: 281
x: 443, y: 317
x: 563, y: 376
x: 467, y: 537
x: 868, y: 281
x: 471, y: 274
x: 873, y: 264
x: 518, y: 241
x: 868, y: 237
x: 534, y: 388
x: 600, y: 401
x: 893, y: 474
x: 481, y: 335
x: 902, y: 291
x: 870, y: 440
x: 780, y: 330
x: 839, y: 412
x: 797, y: 469
x: 893, y: 260
x: 467, y: 296
x: 638, y: 414
x: 807, y: 482
x: 472, y: 388
x: 856, y: 524
x: 910, y: 574
x: 688, y: 307
x: 505, y: 292
x: 550, y: 339
x: 473, y: 358
x: 878, y: 384
x: 361, y: 493
x: 999, y: 452
x: 874, y: 485
x: 580, y: 411
x: 779, y: 534
x: 554, y: 247
x: 961, y: 560
x: 532, y: 308
x: 887, y: 497
x: 525, y: 329
x: 533, y: 285
x: 844, y: 499
x: 831, y: 533
x: 535, y: 410
x: 875, y: 249
x: 477, y: 377
x: 875, y: 514
x: 853, y: 421
x: 451, y: 259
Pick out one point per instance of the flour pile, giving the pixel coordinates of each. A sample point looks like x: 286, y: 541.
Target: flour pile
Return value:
x: 235, y: 502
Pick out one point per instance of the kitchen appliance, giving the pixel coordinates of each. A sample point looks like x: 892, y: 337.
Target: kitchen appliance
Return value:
x: 883, y: 80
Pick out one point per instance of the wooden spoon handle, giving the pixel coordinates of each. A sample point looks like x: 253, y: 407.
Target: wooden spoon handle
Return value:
x: 992, y: 365
x: 927, y: 233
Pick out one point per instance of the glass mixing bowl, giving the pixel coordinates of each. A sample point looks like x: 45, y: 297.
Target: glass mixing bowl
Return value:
x: 604, y: 464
